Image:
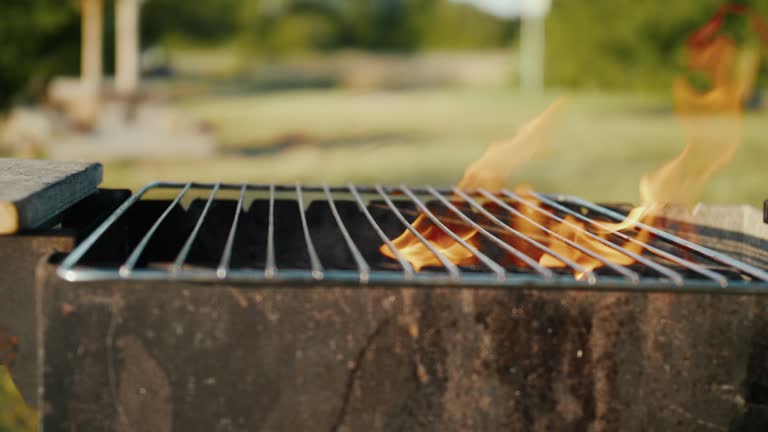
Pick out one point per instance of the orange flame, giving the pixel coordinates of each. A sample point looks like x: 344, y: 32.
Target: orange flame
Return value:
x: 488, y: 172
x: 575, y: 230
x: 712, y: 120
x: 502, y: 158
x: 713, y: 129
x: 420, y: 256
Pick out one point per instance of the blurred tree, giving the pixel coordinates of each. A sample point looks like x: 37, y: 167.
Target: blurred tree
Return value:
x: 276, y: 27
x: 302, y: 32
x: 624, y: 43
x: 41, y: 38
x: 381, y: 24
x: 38, y: 38
x: 273, y: 28
x: 448, y: 25
x: 197, y: 21
x: 590, y: 43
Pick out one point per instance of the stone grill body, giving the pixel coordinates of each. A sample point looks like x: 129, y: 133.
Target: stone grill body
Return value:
x: 125, y: 354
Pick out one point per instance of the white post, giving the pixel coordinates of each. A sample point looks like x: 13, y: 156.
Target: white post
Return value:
x: 91, y: 60
x: 532, y: 36
x: 532, y: 44
x: 127, y: 47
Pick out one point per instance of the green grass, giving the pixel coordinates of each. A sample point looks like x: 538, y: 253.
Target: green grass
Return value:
x: 14, y: 415
x: 602, y: 144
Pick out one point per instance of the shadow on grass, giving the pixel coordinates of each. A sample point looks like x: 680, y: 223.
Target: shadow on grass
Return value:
x: 295, y: 140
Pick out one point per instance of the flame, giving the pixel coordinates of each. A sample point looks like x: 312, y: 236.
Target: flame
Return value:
x: 489, y: 172
x: 712, y: 123
x: 576, y: 231
x: 502, y: 157
x: 712, y: 119
x: 420, y: 256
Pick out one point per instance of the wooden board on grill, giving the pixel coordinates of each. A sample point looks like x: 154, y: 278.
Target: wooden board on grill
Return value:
x: 33, y: 192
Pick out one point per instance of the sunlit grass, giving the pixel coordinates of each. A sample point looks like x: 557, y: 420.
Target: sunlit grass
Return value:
x: 15, y: 416
x: 602, y: 146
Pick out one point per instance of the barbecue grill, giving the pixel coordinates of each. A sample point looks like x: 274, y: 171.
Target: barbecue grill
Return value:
x: 230, y: 235
x: 233, y: 307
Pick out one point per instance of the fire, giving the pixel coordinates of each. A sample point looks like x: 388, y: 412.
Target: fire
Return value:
x: 489, y: 172
x: 713, y: 128
x: 574, y: 230
x: 569, y: 231
x: 712, y: 120
x: 420, y: 256
x: 502, y: 158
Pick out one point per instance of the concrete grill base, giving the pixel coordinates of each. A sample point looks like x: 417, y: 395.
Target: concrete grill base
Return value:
x: 20, y: 258
x: 135, y: 356
x: 214, y: 358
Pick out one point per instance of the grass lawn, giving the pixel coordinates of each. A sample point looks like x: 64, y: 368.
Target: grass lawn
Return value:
x: 602, y: 144
x: 14, y: 415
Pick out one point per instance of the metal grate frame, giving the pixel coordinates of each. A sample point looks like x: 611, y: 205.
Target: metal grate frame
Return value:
x: 752, y: 279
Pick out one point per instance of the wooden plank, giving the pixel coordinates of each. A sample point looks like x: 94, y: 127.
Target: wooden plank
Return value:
x: 32, y: 192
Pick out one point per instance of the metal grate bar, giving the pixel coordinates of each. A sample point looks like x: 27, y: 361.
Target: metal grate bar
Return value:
x: 543, y: 271
x: 317, y: 268
x: 491, y: 264
x: 629, y: 274
x: 133, y: 258
x: 575, y: 266
x: 73, y: 258
x: 362, y: 265
x: 407, y: 268
x: 720, y: 279
x: 680, y: 242
x: 674, y: 276
x: 270, y: 270
x: 450, y: 267
x: 223, y: 268
x: 182, y: 256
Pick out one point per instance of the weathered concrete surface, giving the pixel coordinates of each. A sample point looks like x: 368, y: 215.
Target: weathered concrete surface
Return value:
x: 215, y: 358
x: 138, y: 356
x: 20, y: 258
x: 24, y: 269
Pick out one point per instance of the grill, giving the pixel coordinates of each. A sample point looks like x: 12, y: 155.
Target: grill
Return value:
x: 232, y: 307
x: 278, y: 234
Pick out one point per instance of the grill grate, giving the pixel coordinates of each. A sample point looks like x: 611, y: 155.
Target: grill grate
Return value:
x: 268, y: 234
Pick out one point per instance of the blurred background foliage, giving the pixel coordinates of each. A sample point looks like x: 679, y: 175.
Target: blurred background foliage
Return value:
x: 618, y: 55
x: 614, y: 44
x: 38, y: 39
x: 625, y: 44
